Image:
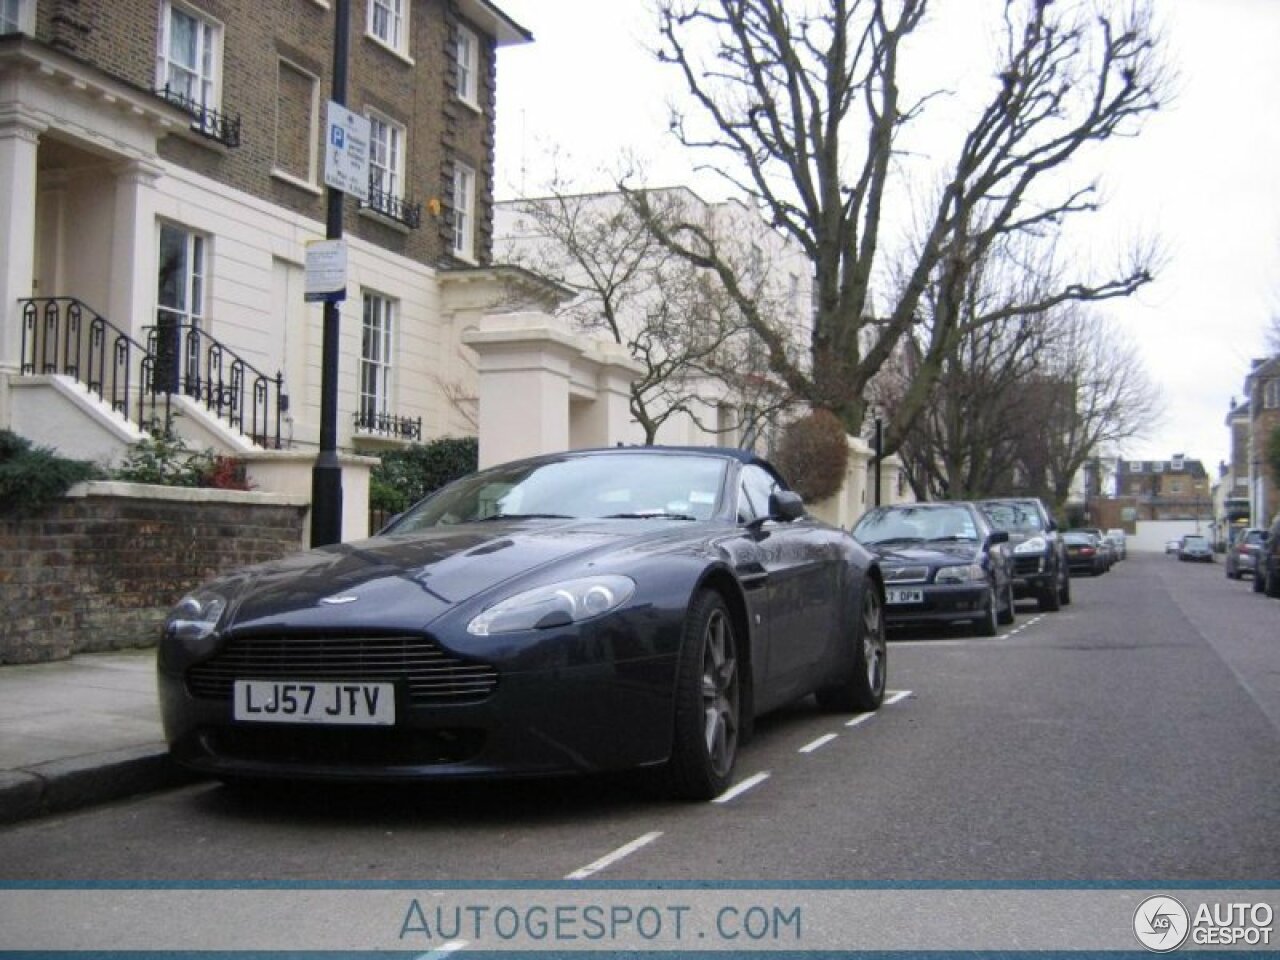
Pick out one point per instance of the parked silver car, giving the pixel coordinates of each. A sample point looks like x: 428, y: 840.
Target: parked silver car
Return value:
x: 1196, y: 548
x: 1242, y: 558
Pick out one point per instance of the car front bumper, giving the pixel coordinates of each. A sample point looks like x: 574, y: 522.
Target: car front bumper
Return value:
x: 582, y: 709
x: 942, y: 603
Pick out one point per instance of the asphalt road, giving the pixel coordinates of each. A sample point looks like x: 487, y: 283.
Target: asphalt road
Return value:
x: 1133, y: 736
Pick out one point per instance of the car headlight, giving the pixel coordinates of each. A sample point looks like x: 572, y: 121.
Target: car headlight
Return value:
x: 966, y: 573
x: 195, y: 619
x: 555, y: 605
x: 1034, y: 545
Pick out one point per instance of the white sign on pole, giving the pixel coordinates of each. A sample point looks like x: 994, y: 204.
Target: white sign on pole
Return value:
x: 346, y: 152
x: 326, y: 271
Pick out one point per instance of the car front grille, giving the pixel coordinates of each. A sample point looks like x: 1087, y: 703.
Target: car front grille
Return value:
x: 906, y: 574
x: 431, y: 676
x: 1025, y: 565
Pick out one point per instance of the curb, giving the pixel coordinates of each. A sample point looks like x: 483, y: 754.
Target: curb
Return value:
x: 62, y: 785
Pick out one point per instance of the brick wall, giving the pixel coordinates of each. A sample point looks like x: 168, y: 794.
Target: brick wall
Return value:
x: 121, y: 37
x: 99, y: 571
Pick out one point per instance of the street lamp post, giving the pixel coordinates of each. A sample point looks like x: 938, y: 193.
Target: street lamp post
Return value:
x: 879, y: 451
x: 326, y: 475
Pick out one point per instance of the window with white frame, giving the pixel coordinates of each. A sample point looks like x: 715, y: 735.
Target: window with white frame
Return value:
x: 386, y: 162
x: 387, y: 22
x: 189, y: 57
x: 464, y: 205
x: 1271, y: 394
x: 375, y: 361
x: 180, y: 296
x: 17, y: 16
x: 467, y: 55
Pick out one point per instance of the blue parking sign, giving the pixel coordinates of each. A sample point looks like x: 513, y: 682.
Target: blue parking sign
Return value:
x: 337, y: 136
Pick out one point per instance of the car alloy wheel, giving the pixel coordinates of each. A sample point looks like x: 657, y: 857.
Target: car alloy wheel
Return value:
x: 864, y: 690
x: 708, y: 702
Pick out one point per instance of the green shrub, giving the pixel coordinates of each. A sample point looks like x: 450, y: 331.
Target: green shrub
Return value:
x: 406, y: 476
x: 32, y: 477
x: 814, y: 455
x: 163, y: 458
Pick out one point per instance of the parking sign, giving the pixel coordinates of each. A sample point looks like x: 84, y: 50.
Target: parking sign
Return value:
x: 346, y: 155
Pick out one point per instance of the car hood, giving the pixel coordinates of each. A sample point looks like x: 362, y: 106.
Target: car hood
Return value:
x: 407, y: 580
x: 933, y: 554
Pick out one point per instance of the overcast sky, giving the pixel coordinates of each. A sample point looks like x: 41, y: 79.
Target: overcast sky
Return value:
x: 1203, y: 176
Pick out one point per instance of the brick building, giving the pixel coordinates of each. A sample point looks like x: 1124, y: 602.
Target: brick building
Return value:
x: 1173, y: 489
x: 1262, y: 399
x: 161, y: 174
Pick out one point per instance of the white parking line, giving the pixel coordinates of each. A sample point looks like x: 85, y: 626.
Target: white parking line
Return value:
x: 442, y: 951
x: 740, y: 788
x: 821, y: 741
x: 895, y: 697
x: 860, y: 718
x: 612, y: 858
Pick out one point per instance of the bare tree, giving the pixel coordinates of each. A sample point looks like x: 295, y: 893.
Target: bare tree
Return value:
x: 800, y: 108
x: 687, y: 334
x: 971, y: 439
x: 1097, y: 395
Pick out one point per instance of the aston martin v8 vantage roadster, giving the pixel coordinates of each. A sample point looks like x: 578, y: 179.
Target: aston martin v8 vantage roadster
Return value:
x: 585, y: 611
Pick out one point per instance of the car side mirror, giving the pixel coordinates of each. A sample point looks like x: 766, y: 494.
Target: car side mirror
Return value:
x: 1053, y: 526
x: 786, y: 505
x: 997, y: 536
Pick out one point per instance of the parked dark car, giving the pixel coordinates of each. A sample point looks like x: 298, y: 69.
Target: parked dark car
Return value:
x: 1242, y: 555
x: 1196, y: 549
x: 579, y: 612
x: 942, y: 563
x: 1266, y: 578
x: 1039, y: 555
x: 1084, y: 553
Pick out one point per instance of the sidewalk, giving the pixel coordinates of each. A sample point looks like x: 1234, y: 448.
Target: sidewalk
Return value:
x: 80, y: 731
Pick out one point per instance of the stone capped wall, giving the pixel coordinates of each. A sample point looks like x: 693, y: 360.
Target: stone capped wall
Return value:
x: 100, y: 569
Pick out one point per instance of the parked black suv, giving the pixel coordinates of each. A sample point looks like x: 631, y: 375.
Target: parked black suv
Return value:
x: 1266, y: 578
x: 1039, y: 555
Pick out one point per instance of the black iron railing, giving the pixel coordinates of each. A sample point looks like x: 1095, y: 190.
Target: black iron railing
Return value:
x: 388, y: 425
x: 207, y: 121
x: 393, y: 207
x: 188, y: 361
x: 61, y: 335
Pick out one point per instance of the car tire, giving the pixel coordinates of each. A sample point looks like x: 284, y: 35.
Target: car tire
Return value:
x: 1064, y: 591
x: 708, y: 703
x: 1049, y: 598
x: 1010, y: 611
x: 863, y: 691
x: 1272, y: 585
x: 1259, y: 581
x: 1231, y: 574
x: 987, y: 626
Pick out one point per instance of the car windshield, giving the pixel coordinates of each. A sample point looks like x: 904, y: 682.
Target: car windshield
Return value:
x: 907, y: 524
x: 1075, y: 536
x: 1191, y: 540
x: 1013, y: 517
x: 624, y: 485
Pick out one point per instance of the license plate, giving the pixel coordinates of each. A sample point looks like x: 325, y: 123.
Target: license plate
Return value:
x: 315, y: 701
x: 900, y: 595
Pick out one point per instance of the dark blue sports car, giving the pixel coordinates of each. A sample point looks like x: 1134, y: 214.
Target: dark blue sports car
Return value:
x: 585, y: 611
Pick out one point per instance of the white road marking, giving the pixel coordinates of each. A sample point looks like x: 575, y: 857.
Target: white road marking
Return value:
x: 895, y: 697
x: 442, y: 951
x: 860, y: 718
x: 740, y: 788
x: 612, y: 858
x: 820, y: 742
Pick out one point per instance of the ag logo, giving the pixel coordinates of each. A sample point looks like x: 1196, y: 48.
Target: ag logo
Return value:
x: 1161, y: 923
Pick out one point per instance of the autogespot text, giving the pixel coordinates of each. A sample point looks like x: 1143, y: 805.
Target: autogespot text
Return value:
x: 436, y: 923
